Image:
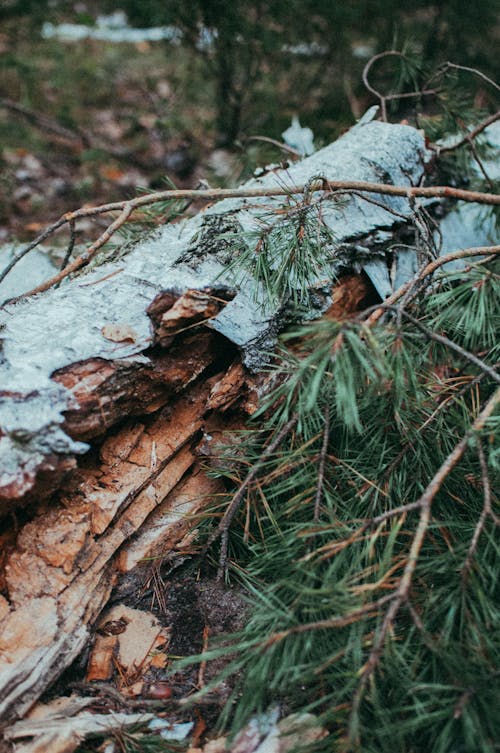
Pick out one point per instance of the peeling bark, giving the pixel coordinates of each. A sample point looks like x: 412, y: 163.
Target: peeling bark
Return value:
x: 55, y: 388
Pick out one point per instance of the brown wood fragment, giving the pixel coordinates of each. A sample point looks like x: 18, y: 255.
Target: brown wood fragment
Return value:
x: 171, y: 520
x: 350, y: 294
x: 173, y: 313
x: 131, y: 650
x: 105, y: 392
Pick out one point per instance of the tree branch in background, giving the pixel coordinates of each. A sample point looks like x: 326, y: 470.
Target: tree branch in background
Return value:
x: 384, y: 98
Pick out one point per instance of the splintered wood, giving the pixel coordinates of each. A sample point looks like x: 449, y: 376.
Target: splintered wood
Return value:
x: 135, y: 497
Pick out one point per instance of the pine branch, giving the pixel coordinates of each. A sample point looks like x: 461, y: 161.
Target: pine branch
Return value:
x: 321, y: 466
x: 429, y: 269
x: 384, y: 98
x: 401, y: 594
x: 442, y: 340
x: 471, y: 135
x: 234, y: 505
x: 486, y: 512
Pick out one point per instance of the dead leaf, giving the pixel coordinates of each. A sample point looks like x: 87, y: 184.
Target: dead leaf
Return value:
x: 119, y: 333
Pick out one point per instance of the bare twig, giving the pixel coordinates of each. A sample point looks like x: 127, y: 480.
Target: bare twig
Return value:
x: 126, y: 208
x: 454, y: 66
x: 383, y: 98
x: 480, y: 164
x: 470, y: 135
x: 34, y: 243
x: 71, y: 244
x: 274, y: 142
x: 40, y: 120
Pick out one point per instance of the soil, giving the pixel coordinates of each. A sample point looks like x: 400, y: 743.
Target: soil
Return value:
x: 198, y: 611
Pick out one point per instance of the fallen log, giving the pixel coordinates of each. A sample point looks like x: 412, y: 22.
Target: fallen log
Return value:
x: 102, y: 314
x: 150, y: 353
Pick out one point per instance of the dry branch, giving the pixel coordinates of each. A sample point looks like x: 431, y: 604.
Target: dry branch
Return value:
x: 126, y: 208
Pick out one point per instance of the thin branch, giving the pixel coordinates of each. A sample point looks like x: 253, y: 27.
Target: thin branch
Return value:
x: 126, y: 208
x: 442, y: 340
x: 446, y: 66
x: 321, y: 467
x: 223, y: 527
x: 71, y: 244
x: 34, y: 243
x: 485, y: 513
x: 371, y: 200
x: 442, y: 406
x: 470, y: 135
x: 370, y: 609
x: 480, y: 164
x: 84, y: 258
x: 274, y: 142
x: 383, y: 98
x: 402, y: 510
x: 428, y: 270
x: 40, y: 120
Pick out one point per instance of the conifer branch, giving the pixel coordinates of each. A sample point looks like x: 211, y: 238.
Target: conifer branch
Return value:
x: 485, y: 513
x: 442, y: 340
x: 233, y: 507
x: 368, y: 610
x: 471, y: 135
x: 410, y: 444
x: 428, y: 270
x: 321, y: 466
x: 384, y: 98
x: 402, y: 592
x: 455, y: 66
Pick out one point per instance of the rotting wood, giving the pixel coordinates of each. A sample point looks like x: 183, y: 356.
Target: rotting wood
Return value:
x: 53, y: 344
x: 128, y: 639
x: 105, y: 392
x: 165, y: 531
x: 69, y: 550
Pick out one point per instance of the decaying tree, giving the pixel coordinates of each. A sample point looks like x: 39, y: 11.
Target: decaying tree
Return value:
x: 115, y: 385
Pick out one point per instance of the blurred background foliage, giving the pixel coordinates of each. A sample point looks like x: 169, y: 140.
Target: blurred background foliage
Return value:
x: 239, y: 68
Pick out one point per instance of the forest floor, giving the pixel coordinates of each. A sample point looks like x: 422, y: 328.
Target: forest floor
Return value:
x: 88, y: 122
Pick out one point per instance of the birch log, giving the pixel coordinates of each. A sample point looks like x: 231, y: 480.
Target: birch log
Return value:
x: 162, y: 339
